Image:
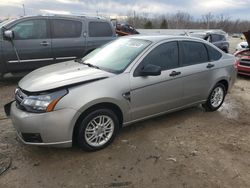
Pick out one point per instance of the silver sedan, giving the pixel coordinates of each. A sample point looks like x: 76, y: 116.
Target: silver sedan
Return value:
x: 130, y: 79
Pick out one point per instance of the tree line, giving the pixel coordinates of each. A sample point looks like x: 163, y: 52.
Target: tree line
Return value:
x: 183, y: 20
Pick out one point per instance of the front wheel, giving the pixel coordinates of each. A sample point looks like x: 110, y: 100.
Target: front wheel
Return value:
x: 216, y: 98
x: 97, y: 130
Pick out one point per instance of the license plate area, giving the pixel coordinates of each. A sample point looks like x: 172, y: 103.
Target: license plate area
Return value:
x: 7, y: 108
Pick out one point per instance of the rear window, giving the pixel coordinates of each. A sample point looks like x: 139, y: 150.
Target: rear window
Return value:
x: 193, y: 53
x: 214, y: 54
x: 66, y: 28
x: 216, y: 38
x: 100, y: 29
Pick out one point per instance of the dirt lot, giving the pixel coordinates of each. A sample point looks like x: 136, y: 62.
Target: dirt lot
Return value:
x: 191, y: 148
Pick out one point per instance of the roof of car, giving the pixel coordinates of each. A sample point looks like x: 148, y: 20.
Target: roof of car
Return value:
x: 206, y: 32
x: 79, y: 16
x: 158, y: 38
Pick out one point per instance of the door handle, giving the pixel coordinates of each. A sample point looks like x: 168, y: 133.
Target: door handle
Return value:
x: 174, y: 73
x: 44, y: 43
x: 210, y: 65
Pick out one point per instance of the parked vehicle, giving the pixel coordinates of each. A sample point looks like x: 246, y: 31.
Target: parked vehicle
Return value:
x: 130, y: 79
x: 31, y: 42
x: 236, y: 35
x: 243, y: 58
x: 218, y: 38
x: 242, y: 46
x: 125, y: 29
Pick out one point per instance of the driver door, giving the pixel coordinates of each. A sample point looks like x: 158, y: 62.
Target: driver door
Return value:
x: 151, y: 95
x: 32, y: 43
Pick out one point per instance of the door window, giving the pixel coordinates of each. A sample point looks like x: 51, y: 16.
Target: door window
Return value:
x: 100, y: 29
x: 66, y: 28
x: 214, y: 54
x: 193, y: 53
x: 164, y: 55
x: 31, y: 29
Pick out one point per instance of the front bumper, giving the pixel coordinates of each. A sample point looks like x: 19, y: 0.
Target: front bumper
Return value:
x: 52, y: 129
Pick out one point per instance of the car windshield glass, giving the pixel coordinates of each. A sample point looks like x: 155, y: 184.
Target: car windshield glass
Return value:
x: 5, y: 22
x: 116, y: 56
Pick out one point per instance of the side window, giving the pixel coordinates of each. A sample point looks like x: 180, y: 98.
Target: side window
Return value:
x: 223, y: 38
x: 216, y: 38
x: 164, y: 55
x: 100, y: 29
x: 193, y: 53
x: 213, y: 54
x: 66, y: 28
x: 30, y: 29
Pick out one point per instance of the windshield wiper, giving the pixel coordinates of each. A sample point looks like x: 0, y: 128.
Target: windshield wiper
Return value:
x: 88, y: 64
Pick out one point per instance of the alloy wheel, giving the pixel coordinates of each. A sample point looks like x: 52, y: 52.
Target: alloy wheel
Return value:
x: 99, y: 130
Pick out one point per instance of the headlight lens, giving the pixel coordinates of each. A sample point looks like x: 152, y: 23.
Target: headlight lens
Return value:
x: 43, y: 102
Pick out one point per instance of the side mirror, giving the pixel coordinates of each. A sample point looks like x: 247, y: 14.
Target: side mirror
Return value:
x: 9, y: 34
x: 150, y: 70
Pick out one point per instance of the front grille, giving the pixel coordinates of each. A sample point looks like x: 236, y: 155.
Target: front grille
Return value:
x: 32, y: 137
x: 245, y: 72
x: 245, y: 62
x: 19, y: 96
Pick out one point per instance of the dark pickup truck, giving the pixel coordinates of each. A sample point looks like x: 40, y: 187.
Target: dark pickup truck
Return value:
x: 31, y: 42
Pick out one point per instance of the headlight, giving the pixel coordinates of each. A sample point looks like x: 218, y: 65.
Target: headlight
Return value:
x: 43, y: 102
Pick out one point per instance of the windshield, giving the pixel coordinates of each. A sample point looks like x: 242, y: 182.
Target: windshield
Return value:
x: 5, y: 22
x: 116, y: 56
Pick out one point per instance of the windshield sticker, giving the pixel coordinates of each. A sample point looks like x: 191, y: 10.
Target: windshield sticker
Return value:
x: 134, y: 44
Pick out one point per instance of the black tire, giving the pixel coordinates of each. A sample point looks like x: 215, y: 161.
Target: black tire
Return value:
x: 208, y: 105
x: 225, y: 50
x: 81, y: 138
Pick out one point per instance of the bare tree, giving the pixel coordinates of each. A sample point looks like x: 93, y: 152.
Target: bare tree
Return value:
x: 208, y: 19
x: 183, y: 20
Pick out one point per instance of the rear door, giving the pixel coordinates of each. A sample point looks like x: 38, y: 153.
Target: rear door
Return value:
x: 157, y: 94
x: 68, y: 40
x: 33, y: 45
x: 196, y: 71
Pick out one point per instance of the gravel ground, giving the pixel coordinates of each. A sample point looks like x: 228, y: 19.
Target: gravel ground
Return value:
x: 190, y: 148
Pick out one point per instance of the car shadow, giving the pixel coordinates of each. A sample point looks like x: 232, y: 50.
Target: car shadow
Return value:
x: 244, y: 77
x: 166, y: 120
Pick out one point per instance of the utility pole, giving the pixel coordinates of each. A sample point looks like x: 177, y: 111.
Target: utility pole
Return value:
x: 134, y: 19
x: 23, y: 10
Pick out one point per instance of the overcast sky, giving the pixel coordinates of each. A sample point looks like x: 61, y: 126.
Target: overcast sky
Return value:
x: 233, y: 8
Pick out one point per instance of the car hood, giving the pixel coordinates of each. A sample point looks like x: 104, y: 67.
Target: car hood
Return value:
x: 247, y: 35
x: 60, y: 75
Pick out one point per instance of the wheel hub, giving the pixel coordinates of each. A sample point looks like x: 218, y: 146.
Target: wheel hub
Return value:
x: 99, y: 130
x: 217, y: 97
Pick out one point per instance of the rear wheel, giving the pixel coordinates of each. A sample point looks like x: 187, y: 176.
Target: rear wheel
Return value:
x: 97, y: 130
x: 225, y: 50
x: 216, y: 98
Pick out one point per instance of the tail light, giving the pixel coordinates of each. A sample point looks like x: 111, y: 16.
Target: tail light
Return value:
x: 236, y: 62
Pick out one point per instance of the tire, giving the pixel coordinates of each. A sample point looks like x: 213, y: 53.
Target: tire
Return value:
x: 225, y: 50
x: 220, y: 90
x: 97, y: 130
